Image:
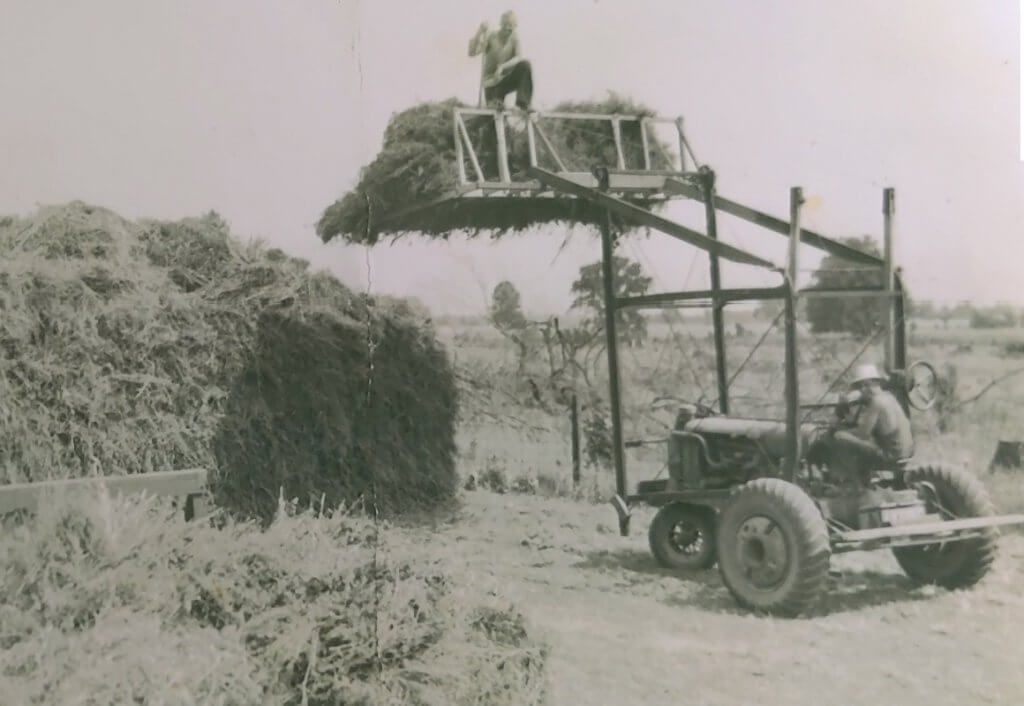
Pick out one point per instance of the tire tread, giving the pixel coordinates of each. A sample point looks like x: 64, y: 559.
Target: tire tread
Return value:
x: 976, y: 500
x: 813, y: 544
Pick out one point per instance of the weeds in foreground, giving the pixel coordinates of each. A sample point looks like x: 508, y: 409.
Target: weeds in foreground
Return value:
x: 115, y: 599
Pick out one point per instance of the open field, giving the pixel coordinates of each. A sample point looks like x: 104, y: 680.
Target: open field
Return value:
x: 503, y: 425
x: 623, y: 630
x: 605, y: 624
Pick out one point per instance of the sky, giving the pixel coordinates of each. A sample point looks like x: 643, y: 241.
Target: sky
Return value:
x: 264, y: 111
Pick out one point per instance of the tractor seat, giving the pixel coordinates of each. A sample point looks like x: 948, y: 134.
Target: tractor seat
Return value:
x: 898, y: 466
x: 903, y: 464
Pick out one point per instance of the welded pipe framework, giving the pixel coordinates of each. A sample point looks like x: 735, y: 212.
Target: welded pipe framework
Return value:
x: 610, y: 188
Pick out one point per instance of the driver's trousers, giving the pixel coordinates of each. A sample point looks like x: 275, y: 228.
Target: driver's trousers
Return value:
x: 854, y: 457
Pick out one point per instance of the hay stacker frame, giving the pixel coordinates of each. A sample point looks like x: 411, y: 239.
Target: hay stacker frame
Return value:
x: 765, y: 520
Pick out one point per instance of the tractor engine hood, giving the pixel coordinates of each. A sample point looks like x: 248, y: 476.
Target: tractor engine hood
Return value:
x: 770, y: 435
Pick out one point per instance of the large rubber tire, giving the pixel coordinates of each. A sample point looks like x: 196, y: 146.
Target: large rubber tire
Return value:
x: 773, y: 548
x: 951, y: 565
x: 683, y: 537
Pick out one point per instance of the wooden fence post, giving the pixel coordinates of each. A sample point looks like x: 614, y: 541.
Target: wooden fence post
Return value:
x: 574, y: 417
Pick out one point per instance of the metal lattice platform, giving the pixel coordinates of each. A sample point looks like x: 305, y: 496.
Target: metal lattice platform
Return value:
x: 644, y: 177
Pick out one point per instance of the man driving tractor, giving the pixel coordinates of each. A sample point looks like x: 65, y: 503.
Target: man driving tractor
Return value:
x: 874, y: 431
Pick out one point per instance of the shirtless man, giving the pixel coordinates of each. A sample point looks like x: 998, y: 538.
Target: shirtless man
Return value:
x: 504, y: 71
x: 879, y: 434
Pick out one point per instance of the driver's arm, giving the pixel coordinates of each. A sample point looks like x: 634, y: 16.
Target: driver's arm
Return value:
x: 866, y: 421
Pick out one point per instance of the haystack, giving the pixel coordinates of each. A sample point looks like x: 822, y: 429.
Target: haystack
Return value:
x: 135, y: 347
x: 409, y: 186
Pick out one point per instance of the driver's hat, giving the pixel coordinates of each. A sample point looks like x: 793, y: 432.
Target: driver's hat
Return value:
x: 866, y: 372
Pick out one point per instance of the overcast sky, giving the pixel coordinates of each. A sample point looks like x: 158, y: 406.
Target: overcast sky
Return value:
x: 265, y: 110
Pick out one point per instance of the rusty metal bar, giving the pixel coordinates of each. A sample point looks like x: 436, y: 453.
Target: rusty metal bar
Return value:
x: 796, y: 199
x: 26, y: 496
x: 724, y: 295
x: 888, y: 211
x: 620, y: 180
x: 645, y: 172
x: 559, y: 115
x: 925, y: 532
x: 645, y: 217
x: 460, y: 156
x: 531, y: 141
x: 499, y: 127
x: 550, y: 147
x: 574, y: 420
x: 469, y: 146
x: 776, y: 225
x: 611, y: 339
x: 900, y: 335
x: 857, y: 292
x: 645, y: 144
x: 617, y: 136
x: 682, y: 144
x: 717, y: 317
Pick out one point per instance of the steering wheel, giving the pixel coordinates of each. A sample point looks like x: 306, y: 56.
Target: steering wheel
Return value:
x: 922, y: 385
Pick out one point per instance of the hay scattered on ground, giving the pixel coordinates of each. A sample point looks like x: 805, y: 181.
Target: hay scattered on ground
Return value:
x: 398, y: 192
x: 137, y: 347
x: 115, y: 600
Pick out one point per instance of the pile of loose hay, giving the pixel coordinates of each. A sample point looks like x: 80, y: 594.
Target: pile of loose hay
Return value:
x: 417, y: 166
x: 135, y: 347
x: 114, y: 600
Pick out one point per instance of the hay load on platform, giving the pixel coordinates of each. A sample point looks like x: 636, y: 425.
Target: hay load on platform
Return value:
x: 136, y: 347
x: 417, y: 167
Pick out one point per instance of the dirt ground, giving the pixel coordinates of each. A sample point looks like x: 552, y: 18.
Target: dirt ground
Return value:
x: 624, y: 631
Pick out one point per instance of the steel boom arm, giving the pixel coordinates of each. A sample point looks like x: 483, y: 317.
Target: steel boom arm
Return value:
x: 776, y: 225
x: 645, y: 217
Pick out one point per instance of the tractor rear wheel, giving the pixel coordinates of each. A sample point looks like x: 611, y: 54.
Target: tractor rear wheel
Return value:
x: 683, y: 537
x: 773, y: 548
x: 951, y: 565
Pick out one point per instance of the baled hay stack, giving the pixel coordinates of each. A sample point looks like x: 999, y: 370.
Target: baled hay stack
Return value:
x: 417, y: 166
x: 136, y: 347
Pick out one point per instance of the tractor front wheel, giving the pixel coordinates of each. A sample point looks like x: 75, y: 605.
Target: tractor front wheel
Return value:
x: 952, y: 565
x: 773, y: 548
x: 683, y: 537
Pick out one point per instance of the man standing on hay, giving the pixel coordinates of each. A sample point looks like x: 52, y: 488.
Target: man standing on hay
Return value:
x: 504, y: 70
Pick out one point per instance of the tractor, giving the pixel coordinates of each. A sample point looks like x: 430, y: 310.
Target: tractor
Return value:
x: 727, y: 501
x: 769, y: 501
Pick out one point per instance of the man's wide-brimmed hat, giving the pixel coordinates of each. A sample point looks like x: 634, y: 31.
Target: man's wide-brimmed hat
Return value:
x: 863, y: 373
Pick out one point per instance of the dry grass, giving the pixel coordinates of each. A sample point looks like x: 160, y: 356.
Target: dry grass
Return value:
x: 115, y: 601
x: 624, y: 630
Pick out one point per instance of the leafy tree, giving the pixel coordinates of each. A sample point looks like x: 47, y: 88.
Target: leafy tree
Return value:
x: 506, y: 309
x: 993, y: 317
x: 506, y: 315
x: 630, y: 280
x: 925, y: 309
x: 858, y: 315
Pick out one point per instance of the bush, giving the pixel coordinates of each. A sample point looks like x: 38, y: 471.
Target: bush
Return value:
x: 493, y: 477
